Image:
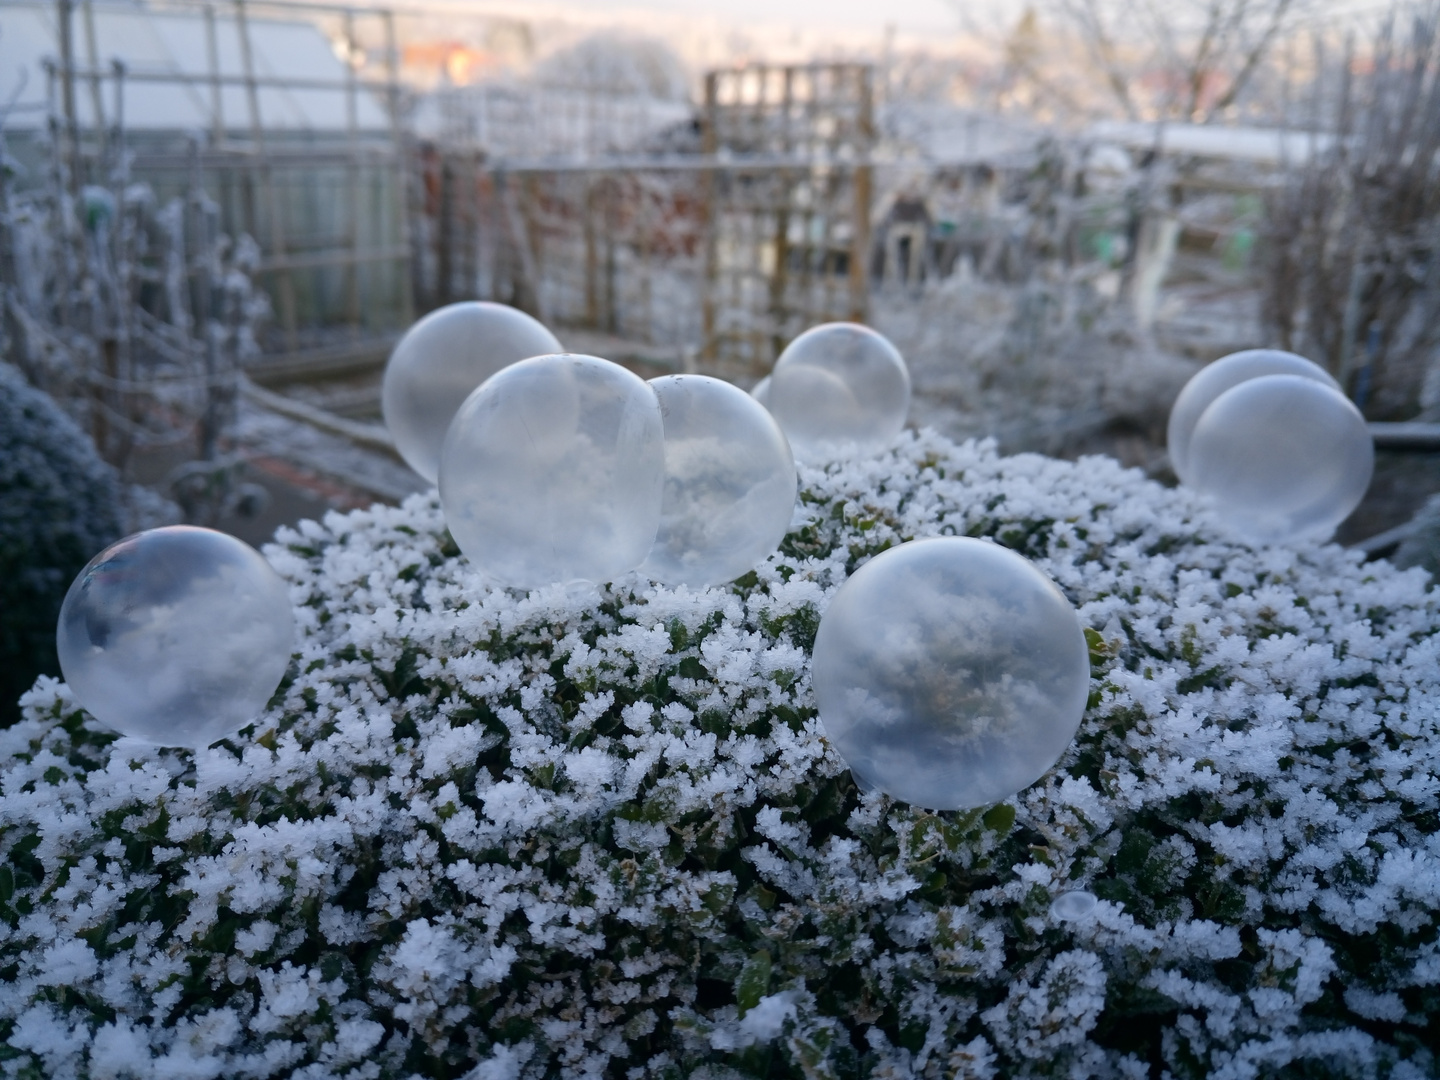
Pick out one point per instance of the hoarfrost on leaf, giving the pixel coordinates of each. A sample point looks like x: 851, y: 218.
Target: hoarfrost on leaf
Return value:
x: 601, y: 832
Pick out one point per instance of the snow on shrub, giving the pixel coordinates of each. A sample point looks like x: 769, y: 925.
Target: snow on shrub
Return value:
x: 563, y: 835
x: 59, y: 505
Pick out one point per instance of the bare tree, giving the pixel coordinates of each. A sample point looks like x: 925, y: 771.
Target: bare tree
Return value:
x: 1191, y: 60
x: 1353, y: 274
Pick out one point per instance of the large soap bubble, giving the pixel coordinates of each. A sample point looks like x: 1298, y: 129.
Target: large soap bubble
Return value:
x: 839, y: 390
x: 440, y: 360
x: 729, y: 483
x: 950, y: 673
x: 1284, y: 457
x: 553, y: 471
x: 177, y: 636
x: 1214, y: 379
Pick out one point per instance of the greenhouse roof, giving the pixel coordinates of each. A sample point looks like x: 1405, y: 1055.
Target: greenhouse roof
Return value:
x: 154, y: 44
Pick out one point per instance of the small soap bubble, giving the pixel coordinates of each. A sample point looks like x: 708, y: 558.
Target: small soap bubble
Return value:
x: 1214, y: 379
x: 950, y: 673
x: 177, y: 636
x: 730, y: 483
x: 839, y: 390
x: 440, y: 360
x: 1071, y: 906
x: 1283, y: 457
x: 761, y: 391
x: 553, y: 471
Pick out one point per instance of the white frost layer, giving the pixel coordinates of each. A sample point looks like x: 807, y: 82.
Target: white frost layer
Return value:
x: 341, y: 891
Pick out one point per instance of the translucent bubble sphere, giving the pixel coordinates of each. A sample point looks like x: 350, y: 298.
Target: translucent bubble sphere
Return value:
x: 1214, y: 379
x: 730, y: 483
x: 1070, y: 906
x: 440, y: 360
x: 554, y: 470
x: 839, y: 390
x: 1284, y: 457
x: 950, y: 673
x: 761, y: 391
x: 177, y: 636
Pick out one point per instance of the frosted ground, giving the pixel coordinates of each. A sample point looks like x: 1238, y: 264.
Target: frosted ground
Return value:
x: 1016, y: 364
x: 484, y: 834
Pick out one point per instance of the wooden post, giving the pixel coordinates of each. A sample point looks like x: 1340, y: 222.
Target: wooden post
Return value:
x: 592, y: 253
x: 531, y: 239
x: 611, y: 219
x: 645, y: 220
x: 444, y: 225
x: 472, y: 223
x: 517, y: 231
x: 780, y: 277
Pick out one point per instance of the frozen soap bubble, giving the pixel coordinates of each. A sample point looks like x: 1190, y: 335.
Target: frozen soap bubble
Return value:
x: 1070, y: 906
x: 440, y: 360
x: 553, y: 471
x: 761, y: 391
x: 1214, y: 379
x: 729, y: 483
x: 1284, y: 457
x: 839, y: 390
x: 950, y: 673
x: 177, y: 636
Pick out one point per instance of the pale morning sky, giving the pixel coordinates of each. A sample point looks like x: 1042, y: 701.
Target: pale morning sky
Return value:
x: 908, y: 15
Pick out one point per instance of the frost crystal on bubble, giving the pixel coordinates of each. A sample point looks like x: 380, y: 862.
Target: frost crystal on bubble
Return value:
x: 729, y: 483
x: 177, y: 636
x: 950, y: 673
x: 553, y: 471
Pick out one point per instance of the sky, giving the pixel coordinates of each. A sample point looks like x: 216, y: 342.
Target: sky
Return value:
x: 926, y: 17
x: 907, y: 16
x: 915, y: 16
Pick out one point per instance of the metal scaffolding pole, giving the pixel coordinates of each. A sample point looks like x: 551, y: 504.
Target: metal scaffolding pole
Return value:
x: 352, y: 139
x: 402, y: 173
x: 64, y: 11
x: 267, y: 178
x: 212, y: 59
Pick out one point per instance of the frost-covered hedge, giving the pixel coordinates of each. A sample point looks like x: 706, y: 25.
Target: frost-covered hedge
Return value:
x: 561, y: 835
x: 59, y: 505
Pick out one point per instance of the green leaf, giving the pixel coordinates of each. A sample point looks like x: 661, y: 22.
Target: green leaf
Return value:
x: 1000, y: 818
x: 753, y: 982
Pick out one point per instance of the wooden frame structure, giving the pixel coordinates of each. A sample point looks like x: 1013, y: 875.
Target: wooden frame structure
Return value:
x: 787, y: 238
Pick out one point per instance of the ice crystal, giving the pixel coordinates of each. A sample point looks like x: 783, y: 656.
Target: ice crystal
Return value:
x: 487, y: 834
